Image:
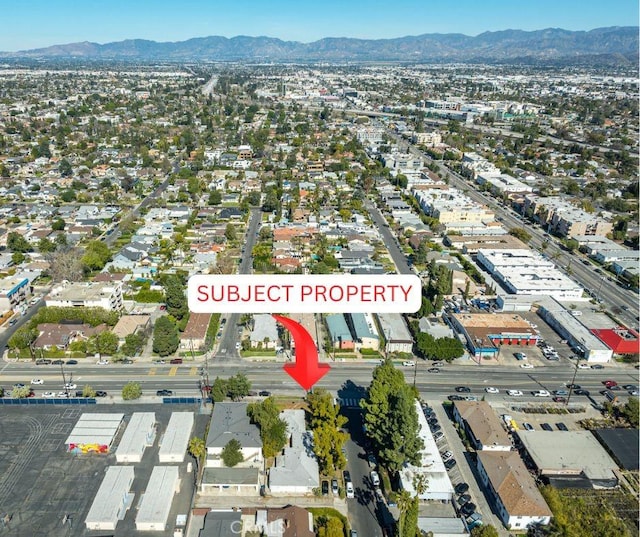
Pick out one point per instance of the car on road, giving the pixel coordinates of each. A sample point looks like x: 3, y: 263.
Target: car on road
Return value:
x: 237, y: 345
x: 528, y: 426
x: 37, y: 381
x: 264, y: 393
x: 450, y: 464
x: 597, y: 366
x: 70, y: 386
x: 515, y: 393
x: 491, y: 389
x: 581, y: 392
x: 560, y: 392
x: 101, y: 393
x: 609, y: 383
x: 43, y: 361
x: 159, y: 362
x: 463, y: 389
x: 126, y: 361
x: 561, y: 426
x: 408, y: 363
x: 334, y: 487
x: 12, y: 322
x: 325, y: 487
x: 574, y: 386
x: 63, y: 394
x: 446, y: 456
x: 526, y: 366
x: 72, y: 362
x: 164, y: 392
x: 582, y: 365
x: 48, y: 395
x: 540, y: 393
x: 630, y: 387
x: 468, y: 509
x: 375, y: 478
x: 433, y: 370
x: 461, y: 488
x: 455, y: 397
x: 351, y: 493
x: 102, y: 362
x: 57, y: 362
x: 546, y: 427
x: 558, y: 399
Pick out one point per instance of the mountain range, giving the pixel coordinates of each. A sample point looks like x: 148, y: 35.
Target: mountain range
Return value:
x: 617, y: 44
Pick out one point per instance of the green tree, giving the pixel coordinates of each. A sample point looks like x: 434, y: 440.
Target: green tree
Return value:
x: 65, y: 168
x: 165, y: 336
x: 215, y: 198
x: 96, y: 256
x: 58, y: 224
x: 520, y: 233
x: 46, y: 245
x: 331, y: 527
x: 326, y: 423
x: 17, y: 243
x: 232, y: 453
x: 390, y: 417
x: 408, y: 522
x: 103, y: 343
x: 484, y: 531
x: 175, y: 297
x: 21, y: 393
x: 218, y: 390
x: 23, y: 337
x: 17, y: 257
x: 131, y: 390
x: 273, y: 429
x: 238, y: 386
x: 88, y: 391
x: 132, y: 344
x: 630, y: 411
x: 230, y: 232
x: 197, y: 449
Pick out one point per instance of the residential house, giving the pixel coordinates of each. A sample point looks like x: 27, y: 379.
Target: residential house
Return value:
x: 195, y: 333
x: 107, y: 295
x: 482, y: 425
x: 265, y: 332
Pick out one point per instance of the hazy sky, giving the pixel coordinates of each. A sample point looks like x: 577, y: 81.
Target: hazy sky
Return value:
x: 38, y: 23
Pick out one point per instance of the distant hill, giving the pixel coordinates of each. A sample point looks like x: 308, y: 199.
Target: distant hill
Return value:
x: 615, y: 44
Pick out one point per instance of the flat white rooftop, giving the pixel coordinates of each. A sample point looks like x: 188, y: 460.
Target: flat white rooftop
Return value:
x: 137, y: 436
x: 154, y: 508
x: 176, y: 437
x: 110, y: 502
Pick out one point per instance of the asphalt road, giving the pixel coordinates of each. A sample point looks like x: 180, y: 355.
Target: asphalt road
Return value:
x: 227, y: 351
x: 390, y: 241
x: 269, y: 376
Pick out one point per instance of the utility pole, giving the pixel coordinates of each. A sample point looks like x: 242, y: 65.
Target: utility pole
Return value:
x: 573, y: 381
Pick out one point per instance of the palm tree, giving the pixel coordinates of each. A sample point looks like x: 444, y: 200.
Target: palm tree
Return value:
x: 404, y: 501
x: 197, y: 450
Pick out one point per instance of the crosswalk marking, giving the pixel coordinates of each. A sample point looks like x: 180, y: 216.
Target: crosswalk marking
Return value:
x: 173, y: 371
x: 350, y: 401
x: 193, y: 371
x: 152, y: 371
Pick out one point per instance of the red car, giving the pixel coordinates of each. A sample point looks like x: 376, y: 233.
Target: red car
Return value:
x: 610, y: 383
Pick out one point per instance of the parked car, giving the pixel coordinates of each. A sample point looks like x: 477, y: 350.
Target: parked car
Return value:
x: 334, y: 486
x: 437, y: 435
x: 461, y: 488
x: 351, y: 493
x: 37, y: 381
x: 468, y: 508
x: 582, y: 365
x: 561, y: 426
x: 43, y: 361
x: 446, y: 456
x: 164, y: 392
x: 102, y: 362
x: 546, y: 427
x: 72, y: 362
x: 597, y: 366
x: 409, y: 363
x: 48, y: 395
x: 63, y: 394
x: 18, y: 385
x: 526, y: 366
x: 175, y: 361
x: 325, y: 487
x: 375, y: 478
x: 520, y: 355
x: 57, y: 362
x: 101, y: 393
x: 346, y: 475
x: 455, y: 398
x: 463, y: 389
x: 528, y: 426
x: 465, y: 498
x: 450, y: 464
x: 264, y: 393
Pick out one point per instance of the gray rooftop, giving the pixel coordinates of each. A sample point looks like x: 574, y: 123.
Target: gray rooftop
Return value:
x: 230, y: 420
x: 230, y: 476
x: 221, y: 524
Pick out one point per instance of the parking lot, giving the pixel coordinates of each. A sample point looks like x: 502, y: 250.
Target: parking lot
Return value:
x: 41, y: 484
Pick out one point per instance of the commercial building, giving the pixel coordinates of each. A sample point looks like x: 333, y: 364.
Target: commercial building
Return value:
x: 94, y: 433
x: 486, y: 332
x: 500, y: 183
x: 431, y: 469
x: 395, y: 332
x: 620, y: 340
x: 140, y: 434
x: 155, y: 505
x: 524, y: 271
x: 362, y: 326
x: 176, y: 437
x: 339, y: 332
x: 112, y: 500
x: 622, y: 445
x: 107, y: 295
x: 570, y: 459
x: 517, y: 500
x: 482, y: 425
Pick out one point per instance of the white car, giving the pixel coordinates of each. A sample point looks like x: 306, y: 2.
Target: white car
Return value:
x: 515, y: 393
x: 375, y: 479
x: 37, y: 381
x: 491, y: 389
x: 63, y: 394
x: 102, y: 362
x: 541, y: 393
x: 409, y: 364
x: 526, y: 366
x: 582, y: 365
x: 48, y: 395
x: 70, y: 386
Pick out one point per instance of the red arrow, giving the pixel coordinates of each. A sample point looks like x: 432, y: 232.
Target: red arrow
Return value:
x: 306, y: 371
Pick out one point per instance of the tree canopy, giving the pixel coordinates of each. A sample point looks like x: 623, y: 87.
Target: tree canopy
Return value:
x: 328, y: 438
x: 165, y: 336
x: 273, y: 429
x: 232, y: 453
